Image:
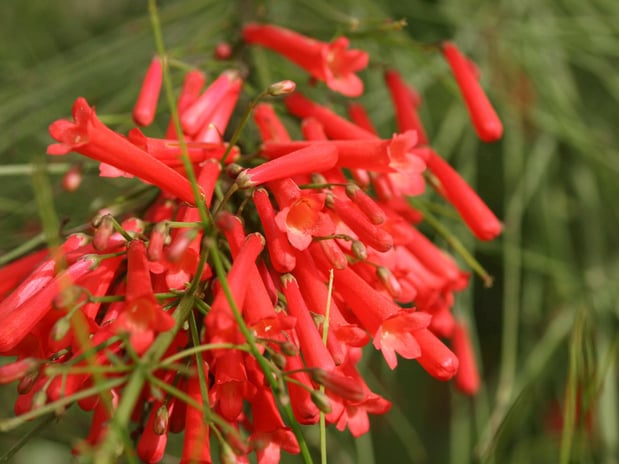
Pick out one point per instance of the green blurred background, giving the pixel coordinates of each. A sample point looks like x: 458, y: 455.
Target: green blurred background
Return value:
x: 547, y: 334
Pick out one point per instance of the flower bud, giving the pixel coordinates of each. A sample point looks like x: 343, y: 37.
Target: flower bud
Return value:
x: 233, y: 170
x: 162, y: 417
x: 289, y: 349
x: 157, y: 239
x: 278, y: 359
x: 27, y: 382
x: 72, y: 178
x: 285, y: 87
x: 389, y: 281
x: 346, y: 387
x: 321, y: 401
x: 359, y: 250
x: 60, y: 329
x: 223, y: 51
x: 105, y: 229
x: 18, y: 369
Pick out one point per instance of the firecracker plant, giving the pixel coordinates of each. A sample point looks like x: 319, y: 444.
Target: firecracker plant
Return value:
x: 235, y: 307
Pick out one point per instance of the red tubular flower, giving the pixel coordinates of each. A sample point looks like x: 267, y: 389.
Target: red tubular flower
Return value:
x: 142, y: 316
x: 154, y: 438
x: 192, y: 84
x: 11, y: 274
x: 335, y: 126
x: 304, y: 409
x: 220, y: 323
x: 303, y: 219
x: 314, y: 158
x: 355, y: 414
x: 436, y: 358
x: 90, y: 137
x: 168, y: 151
x: 477, y: 216
x: 269, y: 125
x: 194, y: 117
x: 215, y: 126
x: 368, y: 233
x: 467, y: 378
x: 231, y: 385
x: 485, y: 120
x: 15, y: 325
x: 405, y: 102
x: 365, y: 203
x: 358, y: 115
x: 269, y: 433
x: 196, y: 443
x: 372, y: 155
x: 280, y: 251
x: 394, y: 329
x: 146, y: 104
x: 18, y: 369
x: 331, y: 62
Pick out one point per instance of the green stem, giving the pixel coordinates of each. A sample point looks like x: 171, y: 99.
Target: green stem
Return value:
x: 200, y: 349
x: 14, y: 422
x: 239, y: 128
x: 453, y: 241
x: 22, y: 249
x: 24, y: 438
x: 191, y: 175
x: 30, y: 169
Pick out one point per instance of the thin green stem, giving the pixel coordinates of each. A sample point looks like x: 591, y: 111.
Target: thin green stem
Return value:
x: 167, y: 82
x: 14, y: 422
x: 25, y: 437
x: 200, y: 349
x: 239, y: 128
x: 30, y: 169
x: 453, y: 241
x: 22, y: 249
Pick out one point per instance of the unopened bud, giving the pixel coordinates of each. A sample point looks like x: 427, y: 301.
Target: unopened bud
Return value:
x: 39, y: 399
x: 179, y: 245
x: 321, y: 401
x: 157, y: 239
x: 366, y: 204
x: 346, y: 387
x: 18, y: 369
x: 72, y: 178
x: 359, y: 250
x: 318, y: 179
x: 285, y: 87
x: 60, y: 329
x: 289, y: 349
x: 105, y: 229
x: 389, y: 281
x: 162, y: 418
x: 223, y: 51
x: 278, y: 359
x: 233, y: 170
x: 334, y: 254
x: 27, y: 382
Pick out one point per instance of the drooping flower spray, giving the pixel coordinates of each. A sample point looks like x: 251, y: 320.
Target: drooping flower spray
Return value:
x: 236, y: 304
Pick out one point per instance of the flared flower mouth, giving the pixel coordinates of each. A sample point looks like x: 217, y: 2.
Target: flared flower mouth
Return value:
x: 339, y: 66
x: 304, y: 219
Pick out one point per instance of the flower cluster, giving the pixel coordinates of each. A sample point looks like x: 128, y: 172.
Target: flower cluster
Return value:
x: 250, y: 285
